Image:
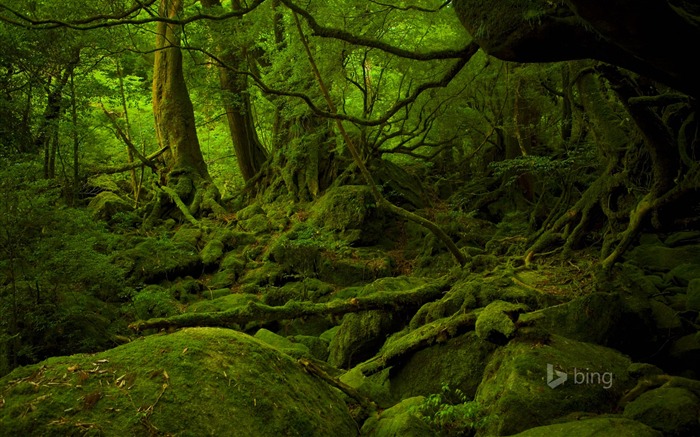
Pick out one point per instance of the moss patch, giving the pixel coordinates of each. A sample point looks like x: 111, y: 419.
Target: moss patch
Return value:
x: 199, y: 381
x: 515, y: 385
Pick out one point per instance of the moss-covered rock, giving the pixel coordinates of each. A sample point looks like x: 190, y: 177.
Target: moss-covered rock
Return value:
x: 398, y: 421
x: 496, y: 323
x: 153, y: 260
x: 601, y: 318
x: 359, y: 267
x: 155, y: 301
x: 188, y: 235
x: 360, y: 336
x: 106, y: 204
x: 692, y: 302
x: 665, y: 317
x: 350, y: 211
x: 212, y: 252
x: 523, y: 386
x: 596, y: 427
x: 672, y: 410
x: 257, y: 224
x: 682, y: 238
x: 684, y: 354
x: 683, y: 274
x: 655, y: 258
x: 282, y: 344
x: 375, y: 387
x: 197, y: 381
x: 249, y: 212
x: 316, y: 346
x: 459, y: 363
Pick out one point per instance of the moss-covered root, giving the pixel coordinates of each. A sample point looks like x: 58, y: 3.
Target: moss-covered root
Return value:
x: 435, y: 332
x: 257, y: 312
x: 659, y: 381
x: 367, y: 406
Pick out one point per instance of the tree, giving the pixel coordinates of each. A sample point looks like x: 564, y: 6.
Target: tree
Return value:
x: 185, y: 175
x: 250, y: 153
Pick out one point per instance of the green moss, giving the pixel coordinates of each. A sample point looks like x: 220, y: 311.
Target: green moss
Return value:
x: 155, y: 301
x: 672, y: 410
x: 496, y: 322
x: 282, y: 344
x: 106, y: 205
x: 598, y: 427
x: 399, y: 420
x: 515, y: 386
x: 222, y: 303
x: 188, y: 235
x: 154, y: 259
x: 212, y: 252
x: 359, y: 337
x: 199, y: 381
x: 458, y: 362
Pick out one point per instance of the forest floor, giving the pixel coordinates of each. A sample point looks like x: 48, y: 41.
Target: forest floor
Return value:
x: 336, y: 319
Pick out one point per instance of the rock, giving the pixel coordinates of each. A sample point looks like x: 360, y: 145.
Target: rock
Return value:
x: 375, y: 387
x: 671, y: 410
x: 187, y: 235
x: 318, y: 348
x: 282, y: 344
x: 684, y: 356
x: 528, y: 385
x: 257, y: 224
x: 250, y: 211
x: 458, y: 363
x: 154, y: 259
x: 496, y: 324
x: 196, y: 381
x: 683, y: 274
x: 597, y: 427
x: 106, y: 204
x: 655, y: 258
x: 692, y: 302
x: 360, y: 336
x: 212, y: 252
x: 681, y: 238
x: 666, y: 318
x: 398, y: 421
x: 155, y: 301
x: 349, y: 211
x: 624, y: 323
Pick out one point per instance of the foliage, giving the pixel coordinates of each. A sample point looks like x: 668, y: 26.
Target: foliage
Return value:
x: 55, y: 273
x: 451, y: 413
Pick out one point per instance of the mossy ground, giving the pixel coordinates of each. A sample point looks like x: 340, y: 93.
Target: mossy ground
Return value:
x: 199, y: 381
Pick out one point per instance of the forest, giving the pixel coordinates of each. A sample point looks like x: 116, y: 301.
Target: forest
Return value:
x: 349, y: 218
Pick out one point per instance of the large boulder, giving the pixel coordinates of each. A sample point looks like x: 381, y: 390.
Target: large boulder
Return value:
x: 153, y: 260
x: 106, y: 204
x: 197, y: 381
x: 459, y: 363
x: 672, y: 410
x: 596, y: 427
x: 527, y: 385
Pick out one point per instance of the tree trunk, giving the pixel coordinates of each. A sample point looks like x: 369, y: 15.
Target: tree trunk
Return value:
x: 185, y: 170
x: 249, y: 151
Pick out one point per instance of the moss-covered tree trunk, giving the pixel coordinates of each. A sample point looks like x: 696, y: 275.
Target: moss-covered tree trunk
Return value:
x: 249, y: 151
x: 185, y: 171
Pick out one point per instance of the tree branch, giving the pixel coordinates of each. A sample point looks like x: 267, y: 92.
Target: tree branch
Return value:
x: 327, y: 32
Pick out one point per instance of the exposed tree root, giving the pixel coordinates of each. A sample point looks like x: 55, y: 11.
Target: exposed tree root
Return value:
x: 437, y: 331
x: 258, y: 312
